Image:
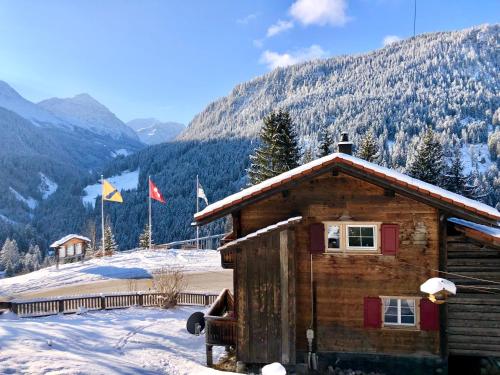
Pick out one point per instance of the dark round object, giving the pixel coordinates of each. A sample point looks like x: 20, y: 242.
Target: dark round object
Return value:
x: 197, y: 317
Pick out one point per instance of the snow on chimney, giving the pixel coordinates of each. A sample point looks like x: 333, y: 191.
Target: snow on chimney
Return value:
x: 345, y: 146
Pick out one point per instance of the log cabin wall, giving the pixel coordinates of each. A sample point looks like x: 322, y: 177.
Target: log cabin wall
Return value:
x: 342, y: 281
x: 474, y: 314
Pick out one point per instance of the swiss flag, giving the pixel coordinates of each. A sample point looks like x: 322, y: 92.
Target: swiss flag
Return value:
x: 155, y: 193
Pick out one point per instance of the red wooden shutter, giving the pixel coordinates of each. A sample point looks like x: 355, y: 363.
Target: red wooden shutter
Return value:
x: 317, y: 238
x: 429, y: 315
x: 390, y: 239
x: 373, y: 312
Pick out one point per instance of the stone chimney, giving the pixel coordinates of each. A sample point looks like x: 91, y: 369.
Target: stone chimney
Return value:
x: 345, y: 146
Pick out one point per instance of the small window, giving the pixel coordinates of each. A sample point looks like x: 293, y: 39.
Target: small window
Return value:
x: 62, y: 252
x: 361, y: 237
x: 333, y: 233
x: 78, y: 249
x: 70, y: 250
x: 399, y: 311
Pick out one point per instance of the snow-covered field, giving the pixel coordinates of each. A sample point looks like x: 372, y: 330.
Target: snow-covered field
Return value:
x: 128, y: 180
x: 125, y: 265
x: 129, y: 341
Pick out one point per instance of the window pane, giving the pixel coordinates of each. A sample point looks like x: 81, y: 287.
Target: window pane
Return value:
x: 354, y: 231
x: 367, y: 241
x: 407, y: 319
x: 390, y: 319
x: 367, y: 231
x: 333, y: 236
x: 354, y: 241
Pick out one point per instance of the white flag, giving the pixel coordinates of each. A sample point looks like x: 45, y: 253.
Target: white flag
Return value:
x: 201, y: 194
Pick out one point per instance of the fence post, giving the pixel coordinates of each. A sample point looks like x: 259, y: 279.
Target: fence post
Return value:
x: 103, y: 302
x: 207, y: 300
x: 141, y: 299
x: 61, y: 306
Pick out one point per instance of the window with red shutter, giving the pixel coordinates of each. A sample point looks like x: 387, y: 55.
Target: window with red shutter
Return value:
x: 373, y: 312
x: 429, y: 315
x: 317, y: 238
x: 389, y: 239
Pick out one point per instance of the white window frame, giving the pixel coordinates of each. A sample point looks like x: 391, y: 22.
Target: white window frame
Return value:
x: 416, y: 308
x: 362, y: 248
x: 344, y: 237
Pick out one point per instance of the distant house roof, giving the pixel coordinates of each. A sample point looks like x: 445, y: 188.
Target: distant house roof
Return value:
x: 271, y: 228
x: 479, y: 231
x: 364, y: 169
x: 65, y: 239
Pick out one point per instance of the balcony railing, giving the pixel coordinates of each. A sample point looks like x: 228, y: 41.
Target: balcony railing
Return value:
x: 221, y: 324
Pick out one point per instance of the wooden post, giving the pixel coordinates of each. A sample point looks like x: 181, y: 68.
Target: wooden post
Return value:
x: 103, y: 302
x: 210, y: 359
x: 207, y: 300
x: 443, y: 261
x: 61, y: 306
x: 141, y: 299
x: 287, y: 285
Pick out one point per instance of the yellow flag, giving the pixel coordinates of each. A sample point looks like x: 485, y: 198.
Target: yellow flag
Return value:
x: 110, y: 193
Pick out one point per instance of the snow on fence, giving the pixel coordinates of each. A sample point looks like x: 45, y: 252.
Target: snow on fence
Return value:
x: 69, y: 305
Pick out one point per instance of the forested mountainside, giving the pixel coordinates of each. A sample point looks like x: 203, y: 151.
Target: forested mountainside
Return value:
x: 173, y: 167
x: 152, y: 131
x: 44, y: 162
x: 448, y: 81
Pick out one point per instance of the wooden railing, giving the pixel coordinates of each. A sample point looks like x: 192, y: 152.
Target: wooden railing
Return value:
x: 68, y: 305
x: 227, y: 257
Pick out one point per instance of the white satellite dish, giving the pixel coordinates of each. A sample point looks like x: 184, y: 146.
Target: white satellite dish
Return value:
x: 438, y: 289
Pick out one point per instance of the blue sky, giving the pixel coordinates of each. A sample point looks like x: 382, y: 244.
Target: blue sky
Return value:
x: 169, y: 59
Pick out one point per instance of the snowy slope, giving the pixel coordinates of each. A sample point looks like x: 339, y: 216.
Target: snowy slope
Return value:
x: 152, y: 131
x: 129, y: 341
x: 128, y: 180
x: 125, y: 265
x: 11, y: 100
x: 84, y: 111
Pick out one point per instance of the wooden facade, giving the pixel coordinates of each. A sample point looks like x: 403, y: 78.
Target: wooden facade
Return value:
x: 286, y: 280
x: 70, y: 247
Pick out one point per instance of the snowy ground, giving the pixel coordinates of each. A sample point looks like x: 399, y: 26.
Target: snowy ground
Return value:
x: 129, y: 341
x: 126, y: 265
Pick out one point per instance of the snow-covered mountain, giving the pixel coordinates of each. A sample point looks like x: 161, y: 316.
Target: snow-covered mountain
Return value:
x: 11, y: 100
x: 152, y: 131
x: 85, y: 112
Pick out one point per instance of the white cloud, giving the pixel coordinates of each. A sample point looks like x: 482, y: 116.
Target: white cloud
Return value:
x: 279, y: 27
x: 389, y: 39
x: 274, y: 59
x: 320, y: 12
x: 247, y: 19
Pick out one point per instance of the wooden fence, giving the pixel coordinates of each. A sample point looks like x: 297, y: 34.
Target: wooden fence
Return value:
x: 73, y: 304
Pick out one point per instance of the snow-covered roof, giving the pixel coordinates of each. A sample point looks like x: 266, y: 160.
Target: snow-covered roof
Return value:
x: 260, y: 232
x: 65, y: 239
x: 390, y: 175
x: 490, y: 231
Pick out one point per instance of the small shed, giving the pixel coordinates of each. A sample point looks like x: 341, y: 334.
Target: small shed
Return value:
x: 70, y: 247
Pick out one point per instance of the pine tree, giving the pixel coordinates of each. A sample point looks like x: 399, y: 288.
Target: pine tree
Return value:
x: 9, y: 256
x: 455, y: 180
x: 325, y: 142
x: 368, y: 148
x: 109, y: 241
x: 307, y: 156
x: 427, y: 164
x: 32, y: 259
x: 144, y: 238
x: 278, y: 150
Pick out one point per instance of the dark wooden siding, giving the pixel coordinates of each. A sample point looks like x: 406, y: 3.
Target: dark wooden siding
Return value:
x: 342, y: 281
x: 474, y: 314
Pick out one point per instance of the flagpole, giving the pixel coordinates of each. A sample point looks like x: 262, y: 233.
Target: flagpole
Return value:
x: 197, y: 209
x: 102, y: 212
x: 150, y: 224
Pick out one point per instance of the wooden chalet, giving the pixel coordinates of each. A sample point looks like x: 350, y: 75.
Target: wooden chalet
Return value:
x: 70, y: 247
x: 337, y: 249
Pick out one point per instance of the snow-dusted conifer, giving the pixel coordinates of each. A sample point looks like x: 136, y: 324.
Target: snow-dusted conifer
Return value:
x: 278, y: 151
x: 144, y: 238
x: 110, y: 245
x: 427, y: 164
x: 325, y: 141
x: 9, y: 256
x: 368, y: 148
